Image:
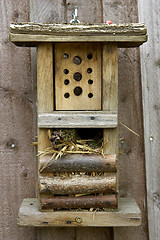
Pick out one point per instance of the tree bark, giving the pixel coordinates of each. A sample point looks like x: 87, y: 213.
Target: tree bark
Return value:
x: 79, y: 163
x: 78, y: 184
x: 106, y: 201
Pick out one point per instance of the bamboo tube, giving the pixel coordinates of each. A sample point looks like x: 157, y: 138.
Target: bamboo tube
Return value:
x: 105, y: 201
x: 78, y: 163
x: 78, y: 184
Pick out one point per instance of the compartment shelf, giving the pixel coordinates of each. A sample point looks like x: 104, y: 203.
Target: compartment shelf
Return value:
x: 78, y: 119
x: 128, y: 215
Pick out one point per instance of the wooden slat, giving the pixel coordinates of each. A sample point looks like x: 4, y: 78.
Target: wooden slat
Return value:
x: 78, y: 89
x: 88, y: 119
x: 127, y: 215
x: 66, y: 202
x: 34, y: 33
x: 79, y: 163
x: 77, y: 184
x: 110, y: 94
x: 150, y: 72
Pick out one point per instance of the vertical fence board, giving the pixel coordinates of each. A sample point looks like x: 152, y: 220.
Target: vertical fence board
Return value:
x: 48, y: 12
x: 150, y: 70
x: 17, y: 165
x: 131, y: 157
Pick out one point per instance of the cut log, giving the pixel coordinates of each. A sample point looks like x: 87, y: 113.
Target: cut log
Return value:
x: 78, y: 184
x: 79, y: 163
x: 106, y: 201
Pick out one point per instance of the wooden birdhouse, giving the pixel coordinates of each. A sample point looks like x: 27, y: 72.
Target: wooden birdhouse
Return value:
x: 77, y: 102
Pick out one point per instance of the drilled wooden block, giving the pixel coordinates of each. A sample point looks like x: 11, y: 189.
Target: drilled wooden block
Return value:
x: 78, y: 76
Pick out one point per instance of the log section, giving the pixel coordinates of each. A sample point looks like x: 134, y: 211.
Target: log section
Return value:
x: 78, y: 184
x: 79, y: 163
x: 106, y: 201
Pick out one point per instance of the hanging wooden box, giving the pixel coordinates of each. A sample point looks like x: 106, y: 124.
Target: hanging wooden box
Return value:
x: 77, y: 87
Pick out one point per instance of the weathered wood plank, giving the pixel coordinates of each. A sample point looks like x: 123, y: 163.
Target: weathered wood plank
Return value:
x: 105, y: 201
x: 17, y: 165
x: 127, y: 215
x: 33, y: 33
x: 87, y: 119
x: 135, y: 29
x: 76, y: 184
x: 150, y: 72
x: 79, y: 163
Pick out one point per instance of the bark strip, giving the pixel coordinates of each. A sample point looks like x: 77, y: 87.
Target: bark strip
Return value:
x: 106, y: 201
x: 79, y: 163
x: 78, y: 184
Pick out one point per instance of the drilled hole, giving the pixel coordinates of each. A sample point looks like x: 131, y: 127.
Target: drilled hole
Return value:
x: 66, y: 81
x: 90, y: 95
x: 77, y: 76
x: 89, y: 56
x: 65, y: 56
x: 66, y: 71
x: 67, y: 95
x: 89, y: 70
x: 77, y: 60
x: 78, y: 91
x: 90, y: 81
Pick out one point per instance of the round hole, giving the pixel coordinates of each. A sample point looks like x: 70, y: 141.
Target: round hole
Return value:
x: 90, y: 95
x: 89, y: 56
x: 78, y: 91
x: 90, y: 81
x: 89, y: 70
x: 65, y: 55
x: 67, y: 95
x: 66, y: 81
x: 77, y: 76
x: 77, y: 60
x: 66, y: 71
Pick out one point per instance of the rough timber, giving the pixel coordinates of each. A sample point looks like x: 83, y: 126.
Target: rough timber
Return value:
x: 125, y: 35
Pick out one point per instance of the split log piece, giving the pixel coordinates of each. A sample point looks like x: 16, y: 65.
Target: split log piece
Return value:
x: 105, y: 201
x: 78, y: 184
x: 78, y: 163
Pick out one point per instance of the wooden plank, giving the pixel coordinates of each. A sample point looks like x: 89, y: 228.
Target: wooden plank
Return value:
x: 77, y: 184
x: 48, y: 11
x: 150, y: 71
x: 127, y: 215
x: 131, y: 157
x: 34, y: 32
x: 17, y: 165
x: 110, y: 94
x: 78, y: 76
x: 67, y: 202
x: 87, y: 119
x: 44, y: 88
x: 79, y: 163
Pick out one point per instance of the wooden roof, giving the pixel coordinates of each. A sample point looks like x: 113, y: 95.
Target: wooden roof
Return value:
x: 125, y: 35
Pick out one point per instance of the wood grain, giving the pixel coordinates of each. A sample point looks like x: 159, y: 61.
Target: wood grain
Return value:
x: 17, y: 174
x: 78, y: 100
x: 79, y: 163
x: 150, y: 70
x: 64, y: 202
x: 129, y: 34
x: 127, y: 215
x: 83, y: 119
x: 77, y: 184
x: 110, y: 94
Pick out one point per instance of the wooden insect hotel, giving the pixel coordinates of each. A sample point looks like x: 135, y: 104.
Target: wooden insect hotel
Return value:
x: 77, y: 106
